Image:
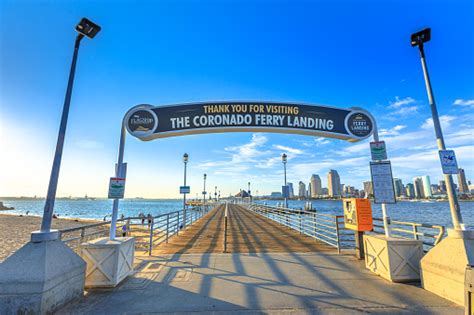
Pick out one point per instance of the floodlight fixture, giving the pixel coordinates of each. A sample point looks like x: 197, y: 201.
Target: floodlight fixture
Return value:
x: 421, y: 37
x: 87, y: 28
x: 185, y: 158
x: 284, y: 158
x: 205, y: 175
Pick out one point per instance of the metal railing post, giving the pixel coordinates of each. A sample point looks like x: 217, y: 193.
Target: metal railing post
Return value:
x: 151, y: 236
x: 177, y: 225
x: 167, y: 227
x: 415, y: 231
x: 301, y: 223
x: 337, y: 235
x: 225, y: 229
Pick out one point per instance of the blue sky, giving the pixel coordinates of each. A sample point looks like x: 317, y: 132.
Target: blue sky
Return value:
x: 339, y: 53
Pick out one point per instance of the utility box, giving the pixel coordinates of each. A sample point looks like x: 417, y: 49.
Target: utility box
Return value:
x: 357, y: 214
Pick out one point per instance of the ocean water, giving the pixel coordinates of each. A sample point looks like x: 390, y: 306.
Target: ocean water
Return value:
x: 419, y: 211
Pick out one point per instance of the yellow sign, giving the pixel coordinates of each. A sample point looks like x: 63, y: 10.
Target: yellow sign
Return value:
x: 357, y: 214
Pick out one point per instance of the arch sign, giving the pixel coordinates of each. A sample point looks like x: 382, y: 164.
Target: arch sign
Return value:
x: 148, y: 122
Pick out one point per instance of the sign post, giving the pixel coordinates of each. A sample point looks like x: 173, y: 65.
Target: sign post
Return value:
x: 382, y: 182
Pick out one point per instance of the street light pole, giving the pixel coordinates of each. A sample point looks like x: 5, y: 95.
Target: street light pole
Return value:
x: 204, y: 191
x: 284, y: 159
x: 185, y: 161
x: 418, y: 39
x: 84, y: 28
x: 215, y: 193
x: 250, y: 194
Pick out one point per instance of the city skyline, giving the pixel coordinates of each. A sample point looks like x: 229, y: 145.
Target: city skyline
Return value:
x: 187, y: 61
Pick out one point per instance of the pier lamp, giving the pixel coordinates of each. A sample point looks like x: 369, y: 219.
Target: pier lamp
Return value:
x: 285, y: 189
x: 185, y: 161
x: 250, y: 194
x: 204, y: 190
x: 90, y: 30
x: 418, y: 39
x: 215, y: 193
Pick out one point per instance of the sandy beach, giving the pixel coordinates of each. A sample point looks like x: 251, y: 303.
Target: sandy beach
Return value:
x: 15, y: 230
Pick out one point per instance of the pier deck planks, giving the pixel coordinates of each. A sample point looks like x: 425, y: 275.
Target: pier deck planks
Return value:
x: 247, y: 233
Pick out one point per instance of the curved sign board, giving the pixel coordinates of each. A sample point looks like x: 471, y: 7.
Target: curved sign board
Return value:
x: 148, y: 122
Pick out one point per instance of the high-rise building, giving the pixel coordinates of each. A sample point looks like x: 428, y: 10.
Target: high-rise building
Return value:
x: 309, y: 190
x: 325, y: 191
x: 462, y: 182
x: 398, y: 185
x: 418, y: 187
x: 434, y: 189
x: 368, y: 189
x: 315, y: 183
x: 334, y: 184
x: 410, y: 190
x: 426, y: 186
x: 301, y: 190
x: 291, y: 192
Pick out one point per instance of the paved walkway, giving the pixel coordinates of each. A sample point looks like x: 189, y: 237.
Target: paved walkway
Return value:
x: 259, y: 283
x: 246, y: 233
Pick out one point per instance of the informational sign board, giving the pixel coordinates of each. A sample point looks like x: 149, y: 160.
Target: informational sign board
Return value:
x: 116, y: 188
x: 378, y: 150
x: 184, y: 189
x: 357, y: 214
x: 382, y: 182
x: 448, y: 161
x: 148, y: 122
x: 285, y: 191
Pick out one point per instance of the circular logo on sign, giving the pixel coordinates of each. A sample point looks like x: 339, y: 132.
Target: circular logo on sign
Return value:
x: 359, y: 124
x: 142, y: 122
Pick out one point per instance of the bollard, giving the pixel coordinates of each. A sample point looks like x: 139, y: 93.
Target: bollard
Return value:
x: 469, y: 288
x: 359, y: 244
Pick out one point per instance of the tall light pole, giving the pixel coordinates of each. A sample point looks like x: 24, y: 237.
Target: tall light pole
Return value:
x: 84, y: 28
x: 185, y: 161
x: 204, y: 190
x: 215, y: 193
x: 284, y: 160
x: 418, y: 39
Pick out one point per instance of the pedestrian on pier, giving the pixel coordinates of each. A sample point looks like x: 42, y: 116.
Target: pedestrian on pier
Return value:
x: 124, y: 230
x: 142, y: 216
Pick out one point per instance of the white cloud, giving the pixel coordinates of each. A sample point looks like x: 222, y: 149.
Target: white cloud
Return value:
x: 444, y: 119
x: 391, y: 132
x: 461, y: 102
x: 401, y: 102
x: 288, y: 149
x: 405, y: 111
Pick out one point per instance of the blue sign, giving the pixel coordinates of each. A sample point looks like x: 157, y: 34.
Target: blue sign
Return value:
x: 448, y: 161
x: 184, y: 189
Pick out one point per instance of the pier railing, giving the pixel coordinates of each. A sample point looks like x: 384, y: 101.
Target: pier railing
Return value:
x: 326, y: 228
x: 147, y: 234
x: 430, y: 234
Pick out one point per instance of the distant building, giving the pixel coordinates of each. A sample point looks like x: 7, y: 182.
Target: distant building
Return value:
x: 398, y: 185
x: 418, y: 186
x: 291, y: 192
x: 462, y: 182
x: 442, y: 186
x: 426, y: 186
x: 309, y: 190
x: 324, y: 191
x: 315, y: 184
x: 276, y: 195
x: 435, y: 189
x: 301, y: 190
x: 410, y: 190
x: 368, y: 189
x: 334, y: 184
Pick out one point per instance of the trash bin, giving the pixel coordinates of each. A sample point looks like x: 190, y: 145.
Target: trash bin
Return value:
x: 469, y: 288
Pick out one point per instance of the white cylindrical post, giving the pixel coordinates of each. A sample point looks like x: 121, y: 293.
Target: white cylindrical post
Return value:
x: 119, y: 172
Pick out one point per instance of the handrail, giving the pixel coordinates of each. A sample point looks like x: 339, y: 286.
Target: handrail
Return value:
x: 173, y: 221
x: 433, y: 239
x: 320, y: 226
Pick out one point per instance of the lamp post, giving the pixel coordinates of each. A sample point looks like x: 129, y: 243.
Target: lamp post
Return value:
x: 84, y: 28
x: 204, y: 190
x: 185, y: 161
x: 284, y: 160
x: 215, y: 193
x: 418, y: 39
